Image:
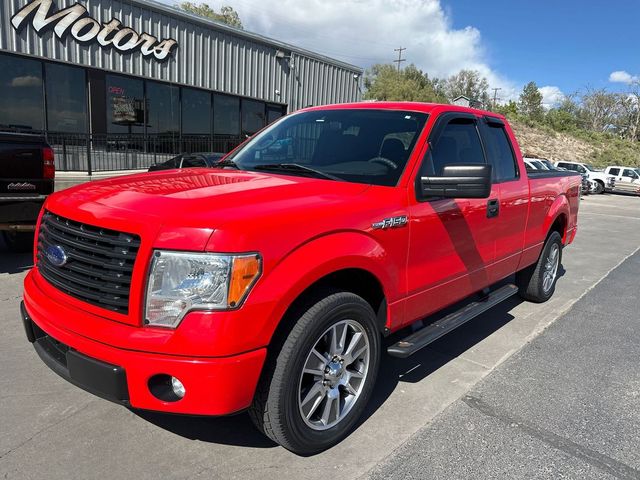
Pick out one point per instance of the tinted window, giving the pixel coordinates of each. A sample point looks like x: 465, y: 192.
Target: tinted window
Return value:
x: 66, y: 98
x: 629, y: 173
x: 347, y: 144
x: 459, y: 143
x: 190, y: 162
x: 253, y: 116
x: 125, y: 105
x: 226, y: 115
x: 163, y: 111
x: 196, y: 112
x: 614, y: 171
x: 274, y: 112
x: 21, y: 100
x: 500, y: 153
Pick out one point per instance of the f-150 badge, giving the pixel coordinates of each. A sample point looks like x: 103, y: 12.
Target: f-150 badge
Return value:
x: 393, y: 222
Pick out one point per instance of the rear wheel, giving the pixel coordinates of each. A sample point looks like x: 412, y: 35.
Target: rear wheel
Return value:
x: 18, y: 242
x: 315, y: 388
x: 537, y: 283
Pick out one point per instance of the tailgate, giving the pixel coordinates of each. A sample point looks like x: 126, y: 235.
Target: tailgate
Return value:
x: 21, y: 164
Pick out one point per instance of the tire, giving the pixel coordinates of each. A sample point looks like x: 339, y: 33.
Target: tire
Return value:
x: 291, y: 401
x: 600, y: 188
x: 18, y: 242
x: 537, y: 283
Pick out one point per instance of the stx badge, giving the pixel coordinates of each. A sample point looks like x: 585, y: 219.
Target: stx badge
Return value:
x: 393, y: 222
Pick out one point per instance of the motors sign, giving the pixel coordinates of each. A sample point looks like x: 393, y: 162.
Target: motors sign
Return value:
x: 76, y: 21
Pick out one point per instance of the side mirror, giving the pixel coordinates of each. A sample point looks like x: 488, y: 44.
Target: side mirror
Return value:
x: 459, y: 181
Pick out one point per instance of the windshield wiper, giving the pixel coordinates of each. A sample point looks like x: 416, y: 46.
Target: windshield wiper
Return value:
x: 295, y: 168
x: 226, y: 163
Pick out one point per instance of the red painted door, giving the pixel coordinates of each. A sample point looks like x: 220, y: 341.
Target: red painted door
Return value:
x: 452, y: 241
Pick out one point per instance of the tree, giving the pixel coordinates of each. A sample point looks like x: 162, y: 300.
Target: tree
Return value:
x: 629, y: 121
x: 600, y: 109
x: 508, y: 109
x: 470, y: 84
x: 384, y: 82
x: 530, y: 104
x: 226, y: 15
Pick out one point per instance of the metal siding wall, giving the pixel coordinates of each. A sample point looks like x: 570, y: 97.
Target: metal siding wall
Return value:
x: 205, y: 57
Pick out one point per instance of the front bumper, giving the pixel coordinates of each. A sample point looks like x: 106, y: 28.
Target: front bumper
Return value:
x: 214, y: 386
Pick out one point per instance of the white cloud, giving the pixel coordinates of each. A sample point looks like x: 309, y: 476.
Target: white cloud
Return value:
x: 365, y: 32
x: 26, y: 81
x: 621, y: 76
x: 551, y: 96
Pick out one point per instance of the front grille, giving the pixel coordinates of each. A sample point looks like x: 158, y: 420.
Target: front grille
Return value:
x: 99, y: 262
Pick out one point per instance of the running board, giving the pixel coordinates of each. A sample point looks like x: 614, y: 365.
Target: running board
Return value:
x: 429, y: 334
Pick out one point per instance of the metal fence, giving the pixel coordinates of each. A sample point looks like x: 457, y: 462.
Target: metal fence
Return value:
x: 98, y: 153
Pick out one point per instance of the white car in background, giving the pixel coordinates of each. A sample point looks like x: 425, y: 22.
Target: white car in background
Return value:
x: 627, y: 178
x: 535, y: 163
x: 604, y: 181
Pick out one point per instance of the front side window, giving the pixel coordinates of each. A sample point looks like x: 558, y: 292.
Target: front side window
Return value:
x: 355, y: 145
x: 614, y: 171
x: 500, y: 153
x: 21, y: 101
x: 458, y: 144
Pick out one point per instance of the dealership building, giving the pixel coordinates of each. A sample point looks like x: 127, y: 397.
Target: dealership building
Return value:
x: 117, y: 85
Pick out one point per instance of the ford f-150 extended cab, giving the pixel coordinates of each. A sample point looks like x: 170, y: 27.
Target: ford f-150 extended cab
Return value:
x: 26, y: 178
x: 272, y: 282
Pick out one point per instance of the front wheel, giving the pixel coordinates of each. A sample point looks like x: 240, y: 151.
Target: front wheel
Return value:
x: 599, y: 187
x: 316, y: 387
x: 537, y: 283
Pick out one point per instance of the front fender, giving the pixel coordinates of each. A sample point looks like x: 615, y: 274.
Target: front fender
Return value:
x: 253, y: 325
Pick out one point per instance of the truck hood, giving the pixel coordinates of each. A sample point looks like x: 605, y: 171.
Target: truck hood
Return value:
x: 206, y: 198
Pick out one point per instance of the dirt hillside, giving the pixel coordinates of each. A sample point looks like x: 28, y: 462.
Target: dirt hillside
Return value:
x: 552, y: 146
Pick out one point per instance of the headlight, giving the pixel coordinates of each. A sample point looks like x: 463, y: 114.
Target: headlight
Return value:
x: 180, y: 282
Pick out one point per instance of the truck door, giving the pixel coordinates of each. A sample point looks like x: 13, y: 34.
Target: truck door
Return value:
x: 629, y: 176
x: 614, y: 171
x: 452, y: 241
x: 513, y: 190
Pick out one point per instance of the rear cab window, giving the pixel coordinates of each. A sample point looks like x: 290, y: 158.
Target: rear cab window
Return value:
x: 500, y: 151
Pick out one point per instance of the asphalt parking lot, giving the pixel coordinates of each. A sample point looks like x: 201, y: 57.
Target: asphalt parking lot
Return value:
x: 474, y: 404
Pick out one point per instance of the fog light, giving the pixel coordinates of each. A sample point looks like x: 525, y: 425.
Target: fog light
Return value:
x: 177, y: 387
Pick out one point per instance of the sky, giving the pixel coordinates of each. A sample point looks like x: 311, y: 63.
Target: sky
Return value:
x: 564, y: 46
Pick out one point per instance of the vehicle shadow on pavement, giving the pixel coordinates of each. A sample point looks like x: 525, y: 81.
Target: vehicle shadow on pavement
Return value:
x: 235, y: 430
x: 14, y: 262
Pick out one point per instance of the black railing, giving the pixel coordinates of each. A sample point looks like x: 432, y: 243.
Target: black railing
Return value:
x: 98, y: 153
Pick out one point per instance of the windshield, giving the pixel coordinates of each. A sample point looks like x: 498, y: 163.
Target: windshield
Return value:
x: 353, y: 145
x: 589, y: 167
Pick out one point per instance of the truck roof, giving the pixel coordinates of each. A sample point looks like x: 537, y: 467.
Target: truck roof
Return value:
x: 412, y: 106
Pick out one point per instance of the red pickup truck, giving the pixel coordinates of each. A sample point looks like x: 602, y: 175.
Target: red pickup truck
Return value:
x: 273, y: 282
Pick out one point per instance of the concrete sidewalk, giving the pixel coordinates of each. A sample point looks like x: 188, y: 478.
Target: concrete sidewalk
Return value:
x: 566, y: 406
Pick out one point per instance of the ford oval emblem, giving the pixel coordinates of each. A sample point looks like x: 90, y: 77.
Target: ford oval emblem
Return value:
x: 56, y: 255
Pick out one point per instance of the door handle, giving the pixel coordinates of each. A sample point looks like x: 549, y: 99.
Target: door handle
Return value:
x: 493, y: 208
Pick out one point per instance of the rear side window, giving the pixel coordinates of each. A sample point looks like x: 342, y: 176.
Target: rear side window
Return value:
x: 568, y: 166
x: 458, y: 144
x: 500, y: 153
x: 614, y: 171
x: 629, y: 173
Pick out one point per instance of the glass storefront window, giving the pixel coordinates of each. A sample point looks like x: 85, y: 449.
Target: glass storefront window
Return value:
x: 196, y: 112
x: 163, y: 108
x: 66, y: 98
x: 253, y: 117
x: 21, y: 101
x: 125, y: 105
x: 226, y: 115
x: 274, y: 112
